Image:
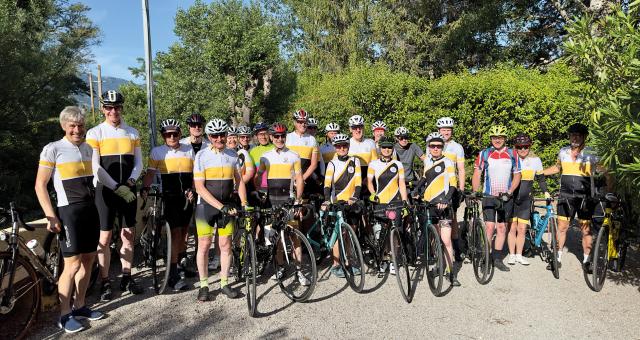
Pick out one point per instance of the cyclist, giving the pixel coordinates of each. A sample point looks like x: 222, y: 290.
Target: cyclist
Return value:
x: 232, y: 138
x: 455, y: 153
x: 363, y: 148
x: 174, y: 162
x: 261, y: 131
x: 577, y: 165
x: 196, y: 137
x: 436, y: 187
x: 378, y: 128
x: 342, y: 182
x: 306, y: 147
x: 312, y: 126
x: 327, y: 150
x: 501, y: 171
x: 116, y: 164
x: 283, y: 170
x: 216, y: 171
x: 385, y: 180
x: 68, y: 161
x: 531, y: 169
x: 405, y: 152
x: 244, y: 137
x: 312, y: 130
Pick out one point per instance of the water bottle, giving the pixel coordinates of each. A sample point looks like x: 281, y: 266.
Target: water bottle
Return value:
x: 376, y: 230
x: 36, y: 248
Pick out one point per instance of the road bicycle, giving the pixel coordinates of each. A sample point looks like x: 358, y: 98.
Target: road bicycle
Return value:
x: 243, y: 251
x: 427, y: 243
x: 477, y: 244
x: 23, y: 275
x: 542, y: 224
x: 155, y: 239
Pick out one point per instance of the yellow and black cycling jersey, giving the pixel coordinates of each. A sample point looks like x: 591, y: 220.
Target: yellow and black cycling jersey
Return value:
x: 438, y: 180
x: 454, y: 151
x: 364, y: 150
x: 175, y: 167
x: 342, y: 179
x: 246, y: 163
x: 118, y: 148
x: 72, y: 174
x: 386, y: 179
x: 304, y: 145
x: 531, y: 169
x: 576, y: 173
x: 217, y: 169
x: 281, y: 168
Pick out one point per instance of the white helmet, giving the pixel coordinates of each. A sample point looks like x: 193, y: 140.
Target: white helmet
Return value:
x: 356, y: 120
x: 312, y: 122
x: 434, y: 135
x: 401, y: 131
x: 216, y: 127
x: 244, y: 130
x: 232, y: 131
x: 378, y: 125
x: 340, y: 139
x: 169, y: 124
x: 300, y: 115
x: 444, y: 122
x: 332, y: 127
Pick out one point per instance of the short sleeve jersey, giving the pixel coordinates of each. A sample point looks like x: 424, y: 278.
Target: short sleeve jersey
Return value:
x: 72, y: 173
x: 575, y: 178
x: 342, y: 177
x: 531, y: 166
x: 116, y: 146
x: 196, y: 147
x: 304, y: 145
x: 216, y: 168
x: 246, y: 163
x: 281, y: 169
x: 386, y: 177
x: 365, y: 150
x: 439, y: 176
x: 498, y: 167
x: 256, y: 153
x: 175, y: 167
x: 407, y: 156
x: 455, y: 153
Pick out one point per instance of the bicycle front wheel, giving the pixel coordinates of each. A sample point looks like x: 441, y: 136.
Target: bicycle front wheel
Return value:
x: 554, y: 248
x: 161, y: 257
x: 24, y: 303
x: 297, y: 264
x: 480, y: 254
x: 434, y: 260
x: 600, y: 259
x: 351, y: 258
x: 249, y: 272
x: 400, y: 263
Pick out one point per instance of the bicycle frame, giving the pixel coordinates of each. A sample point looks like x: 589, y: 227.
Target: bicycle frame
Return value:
x: 539, y: 223
x: 328, y: 241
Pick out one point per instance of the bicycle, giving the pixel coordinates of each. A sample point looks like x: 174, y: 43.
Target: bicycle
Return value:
x: 541, y: 224
x: 21, y: 274
x: 332, y: 227
x: 244, y: 255
x: 477, y: 244
x: 156, y: 240
x: 433, y: 252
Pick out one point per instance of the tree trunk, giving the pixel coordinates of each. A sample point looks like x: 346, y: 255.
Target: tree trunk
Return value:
x: 266, y: 82
x: 249, y: 93
x: 233, y: 86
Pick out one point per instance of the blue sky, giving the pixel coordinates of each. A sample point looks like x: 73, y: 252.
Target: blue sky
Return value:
x: 121, y: 35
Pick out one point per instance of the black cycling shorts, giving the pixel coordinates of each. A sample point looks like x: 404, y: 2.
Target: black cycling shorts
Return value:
x: 210, y: 220
x: 494, y: 210
x: 522, y: 211
x: 80, y: 228
x: 568, y: 208
x: 175, y: 213
x: 109, y: 204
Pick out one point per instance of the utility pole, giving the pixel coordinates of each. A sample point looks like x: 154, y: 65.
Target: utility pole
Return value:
x: 93, y: 112
x: 100, y: 86
x: 148, y: 66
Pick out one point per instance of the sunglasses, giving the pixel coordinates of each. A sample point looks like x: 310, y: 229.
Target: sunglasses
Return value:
x: 312, y: 127
x: 195, y: 125
x: 523, y: 147
x: 436, y: 146
x: 171, y: 135
x: 279, y: 136
x: 341, y: 146
x: 243, y: 137
x: 357, y: 127
x: 111, y: 107
x: 386, y: 147
x: 223, y: 135
x: 301, y: 122
x: 403, y: 138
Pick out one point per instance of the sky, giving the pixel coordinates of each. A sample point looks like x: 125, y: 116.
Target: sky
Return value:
x: 121, y: 34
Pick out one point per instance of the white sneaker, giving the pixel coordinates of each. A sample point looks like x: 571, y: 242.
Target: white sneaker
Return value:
x: 392, y: 269
x: 303, y: 279
x: 278, y: 275
x: 512, y: 259
x: 214, y: 263
x: 523, y: 261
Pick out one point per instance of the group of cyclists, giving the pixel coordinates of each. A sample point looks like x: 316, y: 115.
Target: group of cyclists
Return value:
x: 212, y: 170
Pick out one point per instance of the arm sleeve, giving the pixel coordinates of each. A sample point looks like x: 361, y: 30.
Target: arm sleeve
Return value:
x: 137, y: 165
x: 328, y: 179
x: 357, y: 178
x: 417, y: 191
x: 542, y: 179
x: 100, y: 173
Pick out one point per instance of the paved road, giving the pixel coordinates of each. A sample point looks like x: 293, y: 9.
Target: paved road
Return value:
x: 524, y: 303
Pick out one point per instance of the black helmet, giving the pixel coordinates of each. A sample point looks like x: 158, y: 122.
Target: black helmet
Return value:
x: 386, y: 141
x: 260, y: 127
x: 522, y: 139
x: 195, y: 118
x: 578, y: 128
x: 112, y: 97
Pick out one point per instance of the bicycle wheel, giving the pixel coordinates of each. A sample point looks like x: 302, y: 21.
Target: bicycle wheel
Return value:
x: 24, y: 304
x: 53, y: 261
x: 237, y: 254
x: 161, y: 253
x: 434, y: 260
x: 600, y: 259
x: 351, y: 258
x: 249, y: 272
x: 299, y: 275
x: 554, y: 248
x: 400, y: 263
x: 622, y: 255
x: 480, y: 255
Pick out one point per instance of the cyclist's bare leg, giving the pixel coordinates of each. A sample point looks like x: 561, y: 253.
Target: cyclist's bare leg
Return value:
x: 224, y: 247
x: 104, y: 253
x: 126, y: 252
x: 335, y: 252
x: 587, y: 238
x: 202, y: 256
x: 445, y: 232
x: 501, y: 235
x: 563, y: 226
x: 82, y: 279
x: 512, y: 237
x: 489, y: 228
x: 66, y: 283
x: 522, y: 229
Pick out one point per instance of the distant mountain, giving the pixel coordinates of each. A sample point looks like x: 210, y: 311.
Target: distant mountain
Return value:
x: 108, y: 83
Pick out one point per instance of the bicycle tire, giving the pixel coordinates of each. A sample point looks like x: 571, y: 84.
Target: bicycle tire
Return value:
x: 249, y: 269
x: 53, y: 260
x: 161, y: 253
x: 600, y: 259
x: 400, y: 263
x: 237, y: 252
x: 553, y: 235
x: 481, y: 255
x: 353, y: 260
x: 434, y: 260
x: 622, y: 255
x: 289, y: 282
x: 22, y: 313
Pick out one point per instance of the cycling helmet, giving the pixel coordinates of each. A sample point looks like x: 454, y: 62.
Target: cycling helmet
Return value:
x: 232, y: 131
x: 445, y: 122
x: 340, y: 139
x: 300, y: 115
x: 386, y: 141
x: 578, y: 128
x: 169, y: 125
x: 312, y: 122
x: 278, y: 128
x: 377, y: 125
x: 260, y: 127
x: 522, y: 139
x: 244, y: 130
x: 112, y: 97
x: 498, y: 131
x: 356, y: 120
x: 195, y: 118
x: 216, y: 127
x: 435, y: 137
x: 332, y: 127
x: 401, y: 131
